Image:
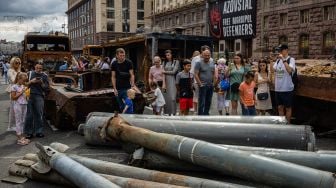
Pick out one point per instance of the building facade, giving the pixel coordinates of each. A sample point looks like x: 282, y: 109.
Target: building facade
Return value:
x: 96, y: 22
x: 187, y: 15
x: 10, y: 48
x: 308, y: 27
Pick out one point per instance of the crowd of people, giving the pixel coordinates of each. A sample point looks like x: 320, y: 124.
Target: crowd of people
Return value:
x: 236, y: 82
x: 191, y: 85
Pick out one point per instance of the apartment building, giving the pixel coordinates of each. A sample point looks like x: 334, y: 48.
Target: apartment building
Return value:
x: 308, y: 27
x: 98, y: 21
x: 187, y: 15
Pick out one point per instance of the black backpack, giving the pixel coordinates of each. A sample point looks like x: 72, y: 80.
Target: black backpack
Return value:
x: 294, y: 75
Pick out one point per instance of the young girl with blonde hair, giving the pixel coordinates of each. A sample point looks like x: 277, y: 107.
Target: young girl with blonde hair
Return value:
x: 19, y: 98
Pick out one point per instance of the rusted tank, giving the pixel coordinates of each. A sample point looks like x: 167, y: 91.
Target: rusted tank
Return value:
x: 73, y: 95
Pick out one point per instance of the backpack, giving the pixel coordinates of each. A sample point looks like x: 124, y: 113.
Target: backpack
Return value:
x: 294, y: 75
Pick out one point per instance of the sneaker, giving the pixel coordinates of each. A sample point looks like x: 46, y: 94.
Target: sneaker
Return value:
x: 29, y: 136
x: 10, y: 129
x: 39, y: 135
x: 227, y: 114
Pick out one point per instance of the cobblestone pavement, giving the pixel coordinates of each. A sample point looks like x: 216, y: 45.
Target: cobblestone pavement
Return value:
x: 11, y: 152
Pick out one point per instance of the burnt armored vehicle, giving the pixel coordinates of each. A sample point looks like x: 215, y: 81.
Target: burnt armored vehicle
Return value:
x: 50, y: 48
x: 73, y: 95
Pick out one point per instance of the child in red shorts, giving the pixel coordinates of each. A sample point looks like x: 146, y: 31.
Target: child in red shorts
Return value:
x: 184, y: 81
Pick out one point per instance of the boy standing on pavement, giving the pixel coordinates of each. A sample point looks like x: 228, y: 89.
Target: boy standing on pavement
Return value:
x: 284, y: 67
x: 184, y: 85
x: 246, y: 95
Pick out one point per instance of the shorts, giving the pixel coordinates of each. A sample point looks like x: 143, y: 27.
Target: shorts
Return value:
x: 284, y: 99
x: 157, y: 109
x: 196, y: 91
x: 222, y: 102
x: 186, y: 103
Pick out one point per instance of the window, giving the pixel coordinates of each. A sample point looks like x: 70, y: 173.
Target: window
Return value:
x: 282, y: 2
x: 329, y: 12
x: 265, y: 22
x: 304, y: 45
x: 125, y: 4
x: 283, y: 19
x: 328, y: 42
x: 141, y: 5
x: 193, y: 16
x: 140, y: 25
x: 110, y: 26
x: 185, y: 18
x: 304, y: 16
x: 283, y: 39
x: 110, y: 3
x: 221, y: 47
x: 110, y: 14
x: 265, y: 43
x: 126, y: 14
x: 170, y: 22
x: 203, y: 15
x: 125, y: 27
x: 83, y: 19
x: 141, y: 15
x: 177, y: 20
x: 266, y: 3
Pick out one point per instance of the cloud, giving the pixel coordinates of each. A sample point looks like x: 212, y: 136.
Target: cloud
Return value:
x: 19, y: 16
x: 32, y: 7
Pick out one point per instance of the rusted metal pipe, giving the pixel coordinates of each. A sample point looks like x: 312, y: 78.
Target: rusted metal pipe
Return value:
x: 135, y: 183
x: 55, y: 178
x: 234, y: 162
x: 157, y: 161
x: 261, y: 135
x: 228, y: 119
x: 72, y: 170
x: 149, y: 175
x: 233, y: 119
x: 321, y: 161
x: 111, y: 168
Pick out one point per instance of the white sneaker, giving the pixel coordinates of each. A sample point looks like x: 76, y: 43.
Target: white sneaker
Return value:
x: 10, y: 129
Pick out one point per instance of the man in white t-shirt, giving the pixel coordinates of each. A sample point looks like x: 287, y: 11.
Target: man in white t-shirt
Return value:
x: 283, y: 68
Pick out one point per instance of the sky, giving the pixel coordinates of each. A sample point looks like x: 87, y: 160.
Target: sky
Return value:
x: 35, y: 15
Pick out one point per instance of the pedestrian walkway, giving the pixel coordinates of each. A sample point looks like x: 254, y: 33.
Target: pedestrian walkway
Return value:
x: 2, y: 80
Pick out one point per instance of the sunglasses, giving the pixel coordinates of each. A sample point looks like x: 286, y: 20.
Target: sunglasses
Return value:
x: 262, y: 65
x: 17, y: 63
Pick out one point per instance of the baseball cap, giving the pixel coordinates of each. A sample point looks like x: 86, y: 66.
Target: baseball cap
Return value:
x: 282, y: 47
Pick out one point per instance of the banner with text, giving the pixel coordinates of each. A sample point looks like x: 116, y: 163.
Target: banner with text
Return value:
x: 233, y: 19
